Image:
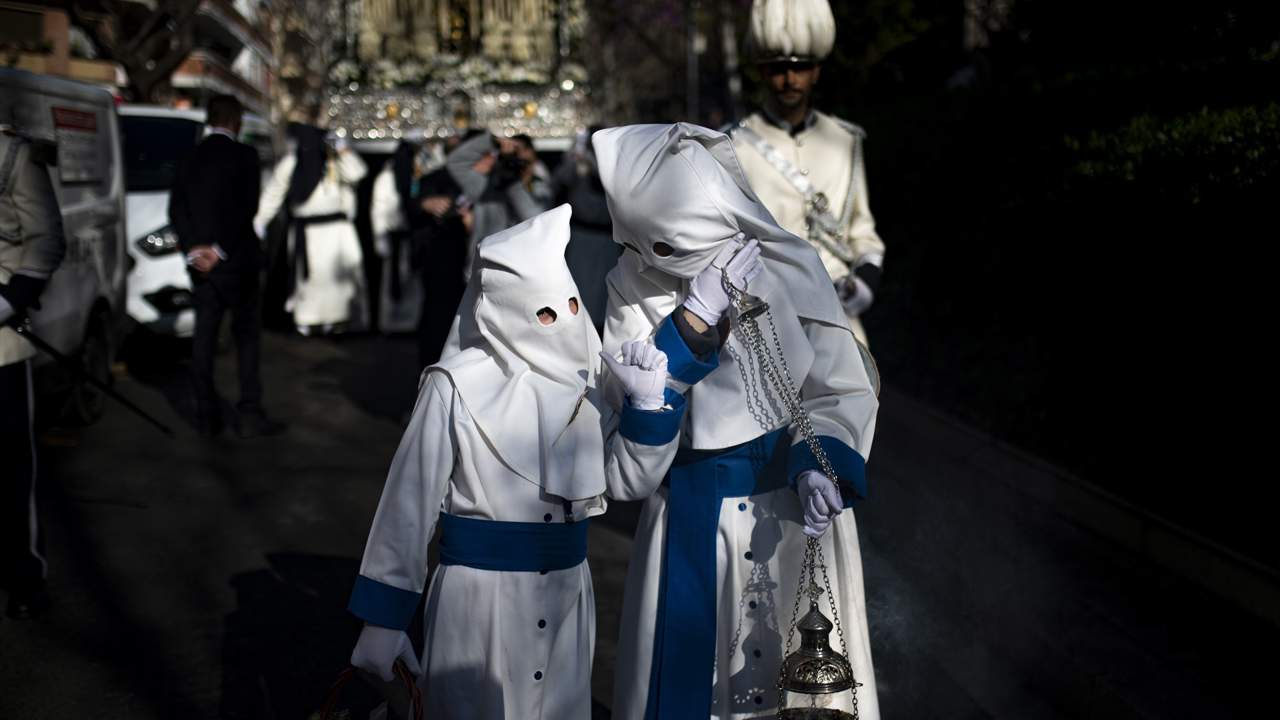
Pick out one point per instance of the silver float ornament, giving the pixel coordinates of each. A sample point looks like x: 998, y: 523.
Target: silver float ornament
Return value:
x: 815, y: 670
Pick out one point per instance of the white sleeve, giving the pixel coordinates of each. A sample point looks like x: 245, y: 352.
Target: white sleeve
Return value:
x: 842, y: 406
x: 274, y: 192
x: 863, y: 238
x: 384, y: 207
x: 639, y: 448
x: 393, y: 572
x: 351, y: 169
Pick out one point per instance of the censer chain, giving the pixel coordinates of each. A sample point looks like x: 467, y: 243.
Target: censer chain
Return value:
x: 780, y: 378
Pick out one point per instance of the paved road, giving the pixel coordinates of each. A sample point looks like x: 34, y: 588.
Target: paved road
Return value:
x: 203, y: 579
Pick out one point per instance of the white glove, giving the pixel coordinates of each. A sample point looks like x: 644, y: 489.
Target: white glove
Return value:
x: 642, y: 372
x: 708, y: 298
x: 378, y: 648
x: 820, y: 499
x: 855, y: 295
x: 260, y: 229
x: 6, y: 312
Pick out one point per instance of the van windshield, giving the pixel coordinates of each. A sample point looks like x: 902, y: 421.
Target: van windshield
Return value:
x: 153, y: 147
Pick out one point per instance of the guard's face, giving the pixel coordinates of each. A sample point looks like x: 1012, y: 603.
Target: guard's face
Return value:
x: 792, y: 82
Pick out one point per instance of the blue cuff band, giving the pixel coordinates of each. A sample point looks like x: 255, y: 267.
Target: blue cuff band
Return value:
x: 654, y: 427
x: 848, y: 464
x: 381, y: 604
x: 682, y: 364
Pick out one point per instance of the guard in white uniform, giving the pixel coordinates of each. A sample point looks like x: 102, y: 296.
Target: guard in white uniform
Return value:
x: 318, y: 184
x: 505, y: 454
x: 806, y: 166
x: 715, y: 564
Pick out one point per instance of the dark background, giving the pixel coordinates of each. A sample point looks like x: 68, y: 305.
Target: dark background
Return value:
x: 1077, y: 217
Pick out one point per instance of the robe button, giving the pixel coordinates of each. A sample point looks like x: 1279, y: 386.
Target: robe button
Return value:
x: 542, y: 572
x: 742, y: 506
x: 752, y: 604
x: 747, y: 555
x: 759, y: 700
x: 537, y: 675
x: 546, y: 518
x: 805, y: 173
x: 756, y: 652
x: 542, y: 624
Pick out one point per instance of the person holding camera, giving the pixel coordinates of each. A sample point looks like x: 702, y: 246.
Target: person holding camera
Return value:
x: 501, y: 179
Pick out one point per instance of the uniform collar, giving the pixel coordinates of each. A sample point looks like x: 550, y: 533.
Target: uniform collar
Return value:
x: 219, y: 131
x: 774, y: 120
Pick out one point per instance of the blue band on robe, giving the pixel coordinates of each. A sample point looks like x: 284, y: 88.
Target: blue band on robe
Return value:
x: 511, y: 546
x: 850, y: 468
x: 685, y: 626
x: 682, y: 364
x: 381, y: 604
x: 653, y: 427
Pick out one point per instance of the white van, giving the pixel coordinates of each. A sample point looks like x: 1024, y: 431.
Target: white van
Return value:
x: 155, y: 141
x: 83, y: 304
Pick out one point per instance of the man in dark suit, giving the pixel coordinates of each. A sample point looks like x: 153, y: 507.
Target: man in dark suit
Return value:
x: 214, y: 199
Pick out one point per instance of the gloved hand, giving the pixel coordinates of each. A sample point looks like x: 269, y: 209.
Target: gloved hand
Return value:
x: 820, y: 499
x: 6, y: 310
x: 708, y: 298
x: 642, y: 372
x: 855, y: 295
x: 260, y: 230
x: 378, y: 648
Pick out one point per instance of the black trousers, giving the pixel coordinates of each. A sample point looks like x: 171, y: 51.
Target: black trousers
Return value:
x: 241, y: 295
x: 22, y: 564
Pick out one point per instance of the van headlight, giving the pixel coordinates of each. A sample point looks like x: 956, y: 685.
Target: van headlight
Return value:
x: 159, y: 242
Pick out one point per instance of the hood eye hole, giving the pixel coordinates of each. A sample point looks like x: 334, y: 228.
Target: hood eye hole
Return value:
x: 573, y: 305
x: 546, y: 316
x: 662, y: 249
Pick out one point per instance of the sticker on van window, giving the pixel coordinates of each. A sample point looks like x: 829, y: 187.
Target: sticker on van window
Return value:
x: 77, y: 136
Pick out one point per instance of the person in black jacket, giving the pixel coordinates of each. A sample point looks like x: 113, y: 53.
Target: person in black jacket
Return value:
x: 212, y: 205
x: 442, y: 239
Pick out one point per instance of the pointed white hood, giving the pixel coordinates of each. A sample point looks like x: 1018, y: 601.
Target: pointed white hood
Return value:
x: 681, y: 184
x: 525, y: 383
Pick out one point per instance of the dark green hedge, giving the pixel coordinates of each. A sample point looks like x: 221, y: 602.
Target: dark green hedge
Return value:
x: 1194, y: 156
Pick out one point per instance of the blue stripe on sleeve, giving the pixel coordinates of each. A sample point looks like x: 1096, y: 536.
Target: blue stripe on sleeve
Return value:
x: 654, y: 427
x: 850, y: 468
x: 681, y: 362
x: 381, y: 604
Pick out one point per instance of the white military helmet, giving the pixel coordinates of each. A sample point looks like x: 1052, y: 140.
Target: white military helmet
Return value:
x: 791, y: 30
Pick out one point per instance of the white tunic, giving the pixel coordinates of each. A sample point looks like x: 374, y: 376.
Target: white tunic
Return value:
x: 334, y: 290
x: 498, y: 645
x: 758, y: 550
x: 760, y: 539
x: 386, y: 217
x: 829, y: 153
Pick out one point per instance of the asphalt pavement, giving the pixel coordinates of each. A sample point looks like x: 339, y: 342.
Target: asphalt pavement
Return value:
x: 199, y: 578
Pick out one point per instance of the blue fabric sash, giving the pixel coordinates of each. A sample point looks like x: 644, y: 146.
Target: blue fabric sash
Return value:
x: 511, y: 546
x: 685, y: 628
